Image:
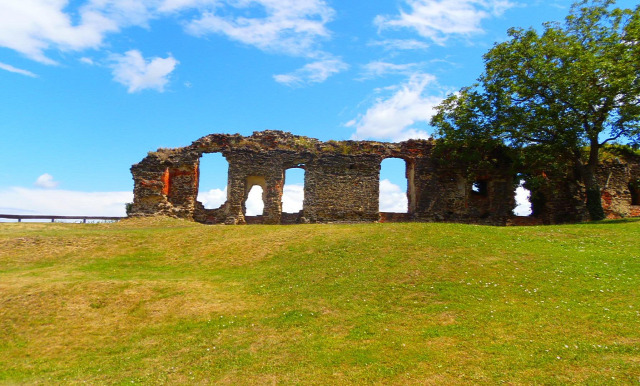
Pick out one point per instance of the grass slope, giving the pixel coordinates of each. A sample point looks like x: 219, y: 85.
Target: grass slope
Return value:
x: 167, y: 301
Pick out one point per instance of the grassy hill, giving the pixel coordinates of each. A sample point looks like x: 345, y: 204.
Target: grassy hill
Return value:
x: 168, y: 301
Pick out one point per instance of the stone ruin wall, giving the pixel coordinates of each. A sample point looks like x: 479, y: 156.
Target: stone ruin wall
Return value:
x: 563, y: 196
x: 617, y: 179
x: 342, y: 182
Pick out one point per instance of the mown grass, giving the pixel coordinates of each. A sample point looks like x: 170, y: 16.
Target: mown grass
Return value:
x: 168, y: 301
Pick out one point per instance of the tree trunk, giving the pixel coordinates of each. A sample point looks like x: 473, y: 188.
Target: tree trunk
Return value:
x: 594, y: 195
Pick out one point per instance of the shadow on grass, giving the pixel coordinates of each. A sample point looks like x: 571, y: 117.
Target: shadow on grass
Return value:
x: 617, y: 221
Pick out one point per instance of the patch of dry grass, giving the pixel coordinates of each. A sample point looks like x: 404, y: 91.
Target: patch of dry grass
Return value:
x: 168, y: 301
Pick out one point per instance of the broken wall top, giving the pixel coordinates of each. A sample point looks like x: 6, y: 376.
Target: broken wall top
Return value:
x: 277, y: 141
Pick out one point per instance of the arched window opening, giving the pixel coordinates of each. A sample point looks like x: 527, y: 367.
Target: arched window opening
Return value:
x: 393, y: 186
x: 523, y: 201
x: 254, y: 206
x: 293, y: 190
x: 212, y: 184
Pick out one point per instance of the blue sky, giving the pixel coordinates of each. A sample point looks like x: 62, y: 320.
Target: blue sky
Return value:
x: 89, y: 86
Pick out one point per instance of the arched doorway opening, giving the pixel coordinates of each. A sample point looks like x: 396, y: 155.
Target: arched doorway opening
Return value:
x: 253, y: 204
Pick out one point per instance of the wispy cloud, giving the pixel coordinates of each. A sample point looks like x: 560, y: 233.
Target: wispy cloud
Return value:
x: 381, y: 68
x: 87, y: 60
x: 10, y: 68
x: 171, y: 6
x: 315, y: 72
x: 395, y: 117
x: 437, y: 20
x: 137, y: 73
x: 400, y: 44
x: 284, y: 26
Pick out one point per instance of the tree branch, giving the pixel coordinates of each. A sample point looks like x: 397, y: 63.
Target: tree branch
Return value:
x: 620, y: 134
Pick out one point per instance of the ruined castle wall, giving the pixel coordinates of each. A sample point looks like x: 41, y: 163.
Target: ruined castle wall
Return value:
x: 562, y: 196
x: 342, y: 183
x: 620, y: 183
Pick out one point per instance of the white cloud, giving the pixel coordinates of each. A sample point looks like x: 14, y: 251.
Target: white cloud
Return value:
x: 523, y: 204
x: 392, y: 197
x: 316, y: 72
x: 285, y: 26
x: 213, y: 199
x: 381, y: 68
x: 10, y: 68
x: 64, y: 202
x: 18, y: 200
x: 394, y: 118
x: 37, y: 28
x: 437, y: 20
x: 138, y: 74
x: 254, y: 203
x: 46, y: 181
x: 33, y: 26
x: 292, y: 198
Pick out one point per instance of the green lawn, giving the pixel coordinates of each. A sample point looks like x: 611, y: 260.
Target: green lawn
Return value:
x: 168, y: 301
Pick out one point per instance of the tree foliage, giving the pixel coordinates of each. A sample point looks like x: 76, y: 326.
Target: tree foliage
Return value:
x: 573, y: 86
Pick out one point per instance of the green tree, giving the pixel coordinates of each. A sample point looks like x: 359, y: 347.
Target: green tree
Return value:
x: 565, y: 92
